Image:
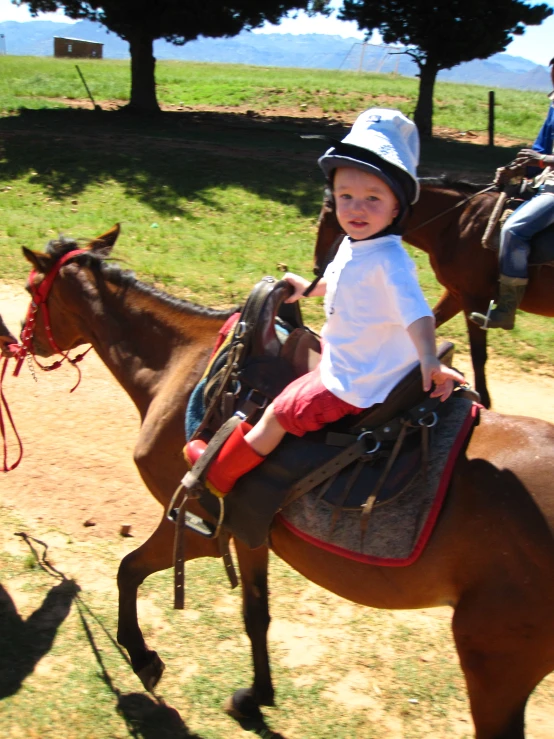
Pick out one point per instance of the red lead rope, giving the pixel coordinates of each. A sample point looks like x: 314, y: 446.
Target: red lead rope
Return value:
x: 4, y: 404
x: 20, y: 351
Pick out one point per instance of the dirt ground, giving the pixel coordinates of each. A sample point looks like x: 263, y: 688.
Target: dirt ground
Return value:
x: 78, y: 476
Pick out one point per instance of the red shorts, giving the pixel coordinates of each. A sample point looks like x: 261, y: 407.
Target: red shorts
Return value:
x: 307, y: 405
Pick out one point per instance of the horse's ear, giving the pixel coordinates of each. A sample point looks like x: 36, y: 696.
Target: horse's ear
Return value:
x: 104, y: 244
x: 41, y: 262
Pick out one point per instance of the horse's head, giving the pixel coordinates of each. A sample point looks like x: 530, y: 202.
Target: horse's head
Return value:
x: 56, y: 283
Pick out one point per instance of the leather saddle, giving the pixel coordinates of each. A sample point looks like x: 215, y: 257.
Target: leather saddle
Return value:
x: 269, y: 348
x: 257, y: 366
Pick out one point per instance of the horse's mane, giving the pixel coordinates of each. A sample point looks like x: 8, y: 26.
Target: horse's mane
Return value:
x: 446, y: 182
x: 126, y: 278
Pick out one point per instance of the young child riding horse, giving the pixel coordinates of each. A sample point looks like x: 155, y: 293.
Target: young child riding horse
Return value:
x: 378, y: 324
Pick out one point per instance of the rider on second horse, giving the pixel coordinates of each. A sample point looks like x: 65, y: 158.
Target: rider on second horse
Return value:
x: 531, y: 217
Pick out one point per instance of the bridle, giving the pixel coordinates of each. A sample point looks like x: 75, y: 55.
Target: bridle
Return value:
x: 39, y: 301
x: 39, y: 298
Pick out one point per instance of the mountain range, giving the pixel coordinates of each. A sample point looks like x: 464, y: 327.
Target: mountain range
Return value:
x: 35, y: 38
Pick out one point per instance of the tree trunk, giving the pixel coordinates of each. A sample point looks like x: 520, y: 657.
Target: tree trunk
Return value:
x: 143, y: 78
x: 423, y: 116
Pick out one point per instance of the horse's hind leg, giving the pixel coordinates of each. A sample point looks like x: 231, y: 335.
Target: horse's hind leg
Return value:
x: 505, y: 650
x: 253, y: 565
x: 154, y: 555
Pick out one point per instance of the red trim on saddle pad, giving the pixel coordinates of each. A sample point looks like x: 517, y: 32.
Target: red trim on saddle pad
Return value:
x: 431, y: 518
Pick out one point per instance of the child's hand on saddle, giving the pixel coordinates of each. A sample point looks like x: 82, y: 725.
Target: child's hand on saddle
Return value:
x: 441, y: 376
x: 299, y: 284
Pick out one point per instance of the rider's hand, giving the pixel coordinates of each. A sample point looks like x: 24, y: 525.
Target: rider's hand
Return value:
x: 528, y: 157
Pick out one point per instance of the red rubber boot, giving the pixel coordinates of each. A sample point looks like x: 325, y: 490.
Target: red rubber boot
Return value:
x: 236, y: 457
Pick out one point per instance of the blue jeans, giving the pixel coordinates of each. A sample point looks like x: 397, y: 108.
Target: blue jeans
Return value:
x: 515, y: 238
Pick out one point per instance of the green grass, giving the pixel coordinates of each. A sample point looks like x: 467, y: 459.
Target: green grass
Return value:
x: 340, y: 670
x: 68, y: 679
x: 210, y: 202
x: 42, y: 82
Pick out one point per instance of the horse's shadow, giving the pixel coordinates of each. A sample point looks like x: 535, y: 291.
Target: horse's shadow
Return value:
x: 151, y: 718
x: 23, y: 642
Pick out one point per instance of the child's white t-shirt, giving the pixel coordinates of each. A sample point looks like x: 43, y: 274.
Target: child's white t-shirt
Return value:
x: 372, y: 297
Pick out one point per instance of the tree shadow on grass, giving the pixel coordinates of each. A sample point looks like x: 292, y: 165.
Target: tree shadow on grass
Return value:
x: 177, y: 157
x: 164, y: 161
x: 23, y: 643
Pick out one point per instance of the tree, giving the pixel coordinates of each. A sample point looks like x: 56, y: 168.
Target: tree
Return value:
x: 440, y: 35
x: 140, y: 22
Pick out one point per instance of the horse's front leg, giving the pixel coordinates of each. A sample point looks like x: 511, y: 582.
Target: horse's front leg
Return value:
x: 154, y: 555
x: 447, y: 307
x: 253, y: 565
x: 478, y: 349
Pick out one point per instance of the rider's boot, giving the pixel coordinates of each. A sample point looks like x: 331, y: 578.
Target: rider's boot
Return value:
x: 512, y: 290
x: 235, y: 458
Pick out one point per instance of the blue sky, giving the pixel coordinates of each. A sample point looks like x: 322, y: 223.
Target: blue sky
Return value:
x: 537, y: 43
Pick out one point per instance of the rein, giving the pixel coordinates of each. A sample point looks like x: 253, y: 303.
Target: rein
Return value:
x: 39, y: 297
x: 449, y: 210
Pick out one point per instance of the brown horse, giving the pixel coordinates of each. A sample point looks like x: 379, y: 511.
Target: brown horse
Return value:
x: 448, y: 222
x: 491, y: 556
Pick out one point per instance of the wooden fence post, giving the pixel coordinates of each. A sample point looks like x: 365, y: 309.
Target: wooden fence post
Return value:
x: 491, y: 118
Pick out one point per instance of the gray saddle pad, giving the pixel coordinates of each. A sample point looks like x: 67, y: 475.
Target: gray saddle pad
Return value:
x: 398, y: 528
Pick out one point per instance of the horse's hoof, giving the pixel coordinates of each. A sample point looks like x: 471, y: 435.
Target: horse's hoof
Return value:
x: 242, y: 705
x: 151, y: 675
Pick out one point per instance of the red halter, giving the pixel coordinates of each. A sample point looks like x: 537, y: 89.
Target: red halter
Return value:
x: 39, y: 295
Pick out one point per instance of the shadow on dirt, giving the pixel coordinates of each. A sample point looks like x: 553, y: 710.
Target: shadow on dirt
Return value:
x: 23, y: 643
x: 152, y: 719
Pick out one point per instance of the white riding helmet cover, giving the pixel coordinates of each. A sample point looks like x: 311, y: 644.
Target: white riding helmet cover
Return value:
x: 385, y: 143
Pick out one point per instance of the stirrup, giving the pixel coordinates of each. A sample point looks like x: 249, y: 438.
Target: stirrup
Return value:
x: 485, y: 326
x: 191, y: 520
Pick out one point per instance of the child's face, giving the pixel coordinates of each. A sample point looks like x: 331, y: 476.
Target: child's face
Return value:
x: 365, y: 204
